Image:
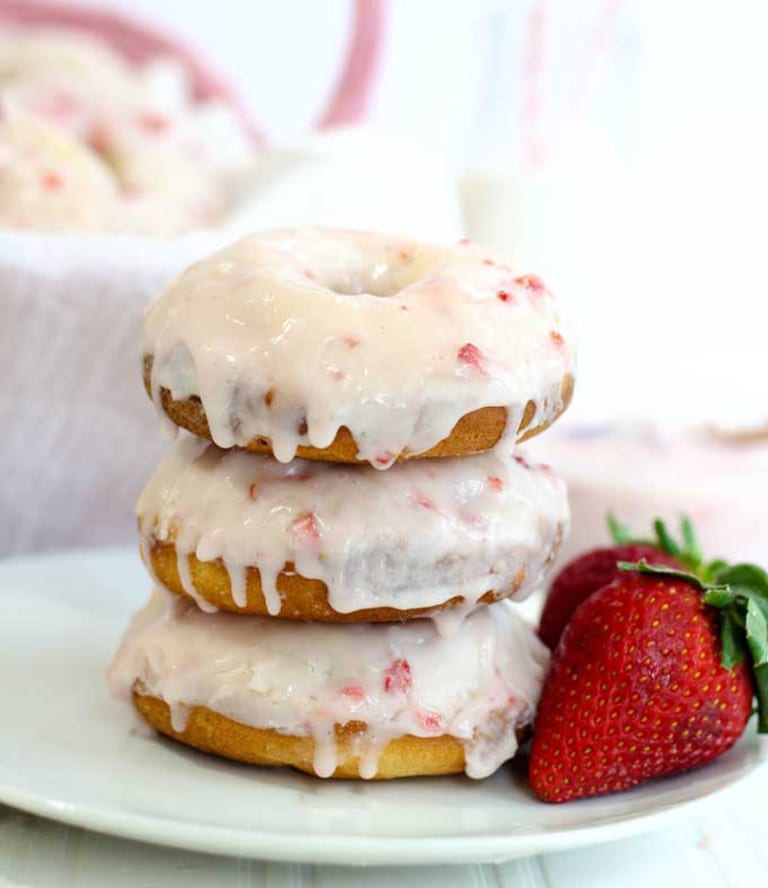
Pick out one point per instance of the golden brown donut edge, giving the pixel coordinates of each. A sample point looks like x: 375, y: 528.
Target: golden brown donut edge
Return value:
x: 302, y: 598
x: 211, y: 732
x: 476, y: 432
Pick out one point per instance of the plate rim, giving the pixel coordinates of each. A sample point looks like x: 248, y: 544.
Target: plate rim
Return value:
x: 351, y: 850
x: 342, y: 849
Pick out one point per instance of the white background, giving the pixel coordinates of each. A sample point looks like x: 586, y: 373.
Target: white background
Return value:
x: 647, y: 211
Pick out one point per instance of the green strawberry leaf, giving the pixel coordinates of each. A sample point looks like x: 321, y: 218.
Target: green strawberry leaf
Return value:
x: 688, y: 552
x: 721, y: 589
x: 760, y: 674
x: 757, y: 634
x: 720, y: 596
x: 666, y: 543
x: 690, y: 540
x: 620, y: 533
x: 709, y: 570
x: 731, y: 639
x: 748, y: 575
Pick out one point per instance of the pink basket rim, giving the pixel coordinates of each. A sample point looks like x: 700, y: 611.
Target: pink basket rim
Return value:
x: 139, y: 42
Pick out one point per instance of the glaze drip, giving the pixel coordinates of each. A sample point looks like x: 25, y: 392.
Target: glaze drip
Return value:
x: 303, y: 679
x: 412, y: 538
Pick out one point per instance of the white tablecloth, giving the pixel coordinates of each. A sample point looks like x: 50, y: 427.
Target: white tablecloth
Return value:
x: 723, y: 844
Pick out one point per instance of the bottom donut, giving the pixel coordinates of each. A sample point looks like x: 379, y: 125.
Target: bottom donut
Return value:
x: 211, y: 732
x: 368, y: 701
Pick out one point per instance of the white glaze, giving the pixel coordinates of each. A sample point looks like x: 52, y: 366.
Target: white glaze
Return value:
x: 410, y: 538
x: 293, y: 334
x: 301, y: 679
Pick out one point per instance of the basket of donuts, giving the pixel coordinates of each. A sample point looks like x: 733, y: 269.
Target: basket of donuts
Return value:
x: 337, y: 538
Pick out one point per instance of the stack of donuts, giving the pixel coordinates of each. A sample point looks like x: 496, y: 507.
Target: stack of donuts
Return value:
x: 336, y: 545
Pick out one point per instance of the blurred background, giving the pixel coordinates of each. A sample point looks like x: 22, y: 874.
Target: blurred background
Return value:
x: 616, y: 148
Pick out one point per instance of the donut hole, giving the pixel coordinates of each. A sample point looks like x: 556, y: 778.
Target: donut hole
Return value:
x: 381, y: 280
x: 380, y: 273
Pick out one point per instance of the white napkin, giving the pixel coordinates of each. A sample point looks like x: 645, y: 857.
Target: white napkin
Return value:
x: 79, y: 436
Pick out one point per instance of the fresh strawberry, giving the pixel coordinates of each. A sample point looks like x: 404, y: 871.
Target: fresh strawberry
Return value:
x: 584, y: 576
x: 598, y: 567
x: 653, y: 675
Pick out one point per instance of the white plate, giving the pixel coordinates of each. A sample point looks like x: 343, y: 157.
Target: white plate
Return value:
x: 67, y: 752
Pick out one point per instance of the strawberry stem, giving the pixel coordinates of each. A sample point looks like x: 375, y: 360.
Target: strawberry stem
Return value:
x: 620, y: 533
x: 690, y: 540
x: 688, y: 552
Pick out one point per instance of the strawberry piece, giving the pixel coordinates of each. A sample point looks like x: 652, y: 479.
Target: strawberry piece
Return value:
x: 152, y: 122
x: 99, y: 139
x: 305, y: 529
x: 354, y: 692
x: 431, y: 721
x: 505, y: 296
x: 471, y: 355
x: 298, y: 476
x: 584, y: 576
x: 57, y: 105
x: 421, y: 499
x: 533, y: 283
x: 556, y: 339
x: 397, y: 677
x: 495, y: 483
x: 52, y: 181
x: 468, y: 516
x: 637, y: 689
x: 384, y: 459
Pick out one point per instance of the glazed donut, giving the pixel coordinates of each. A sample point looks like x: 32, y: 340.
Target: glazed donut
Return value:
x: 318, y: 541
x: 336, y: 701
x: 50, y: 181
x: 348, y: 346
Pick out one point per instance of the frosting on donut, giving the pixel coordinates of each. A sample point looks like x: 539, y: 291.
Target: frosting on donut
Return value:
x: 302, y: 679
x: 411, y: 538
x: 296, y: 333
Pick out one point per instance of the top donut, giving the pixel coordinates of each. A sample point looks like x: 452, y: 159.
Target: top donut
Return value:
x: 349, y: 346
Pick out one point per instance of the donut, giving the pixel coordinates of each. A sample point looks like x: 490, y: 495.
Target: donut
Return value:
x: 350, y: 347
x: 364, y: 701
x: 50, y: 181
x: 323, y: 541
x: 90, y: 143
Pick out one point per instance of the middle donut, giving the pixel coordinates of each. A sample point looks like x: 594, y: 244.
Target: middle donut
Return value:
x: 322, y: 541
